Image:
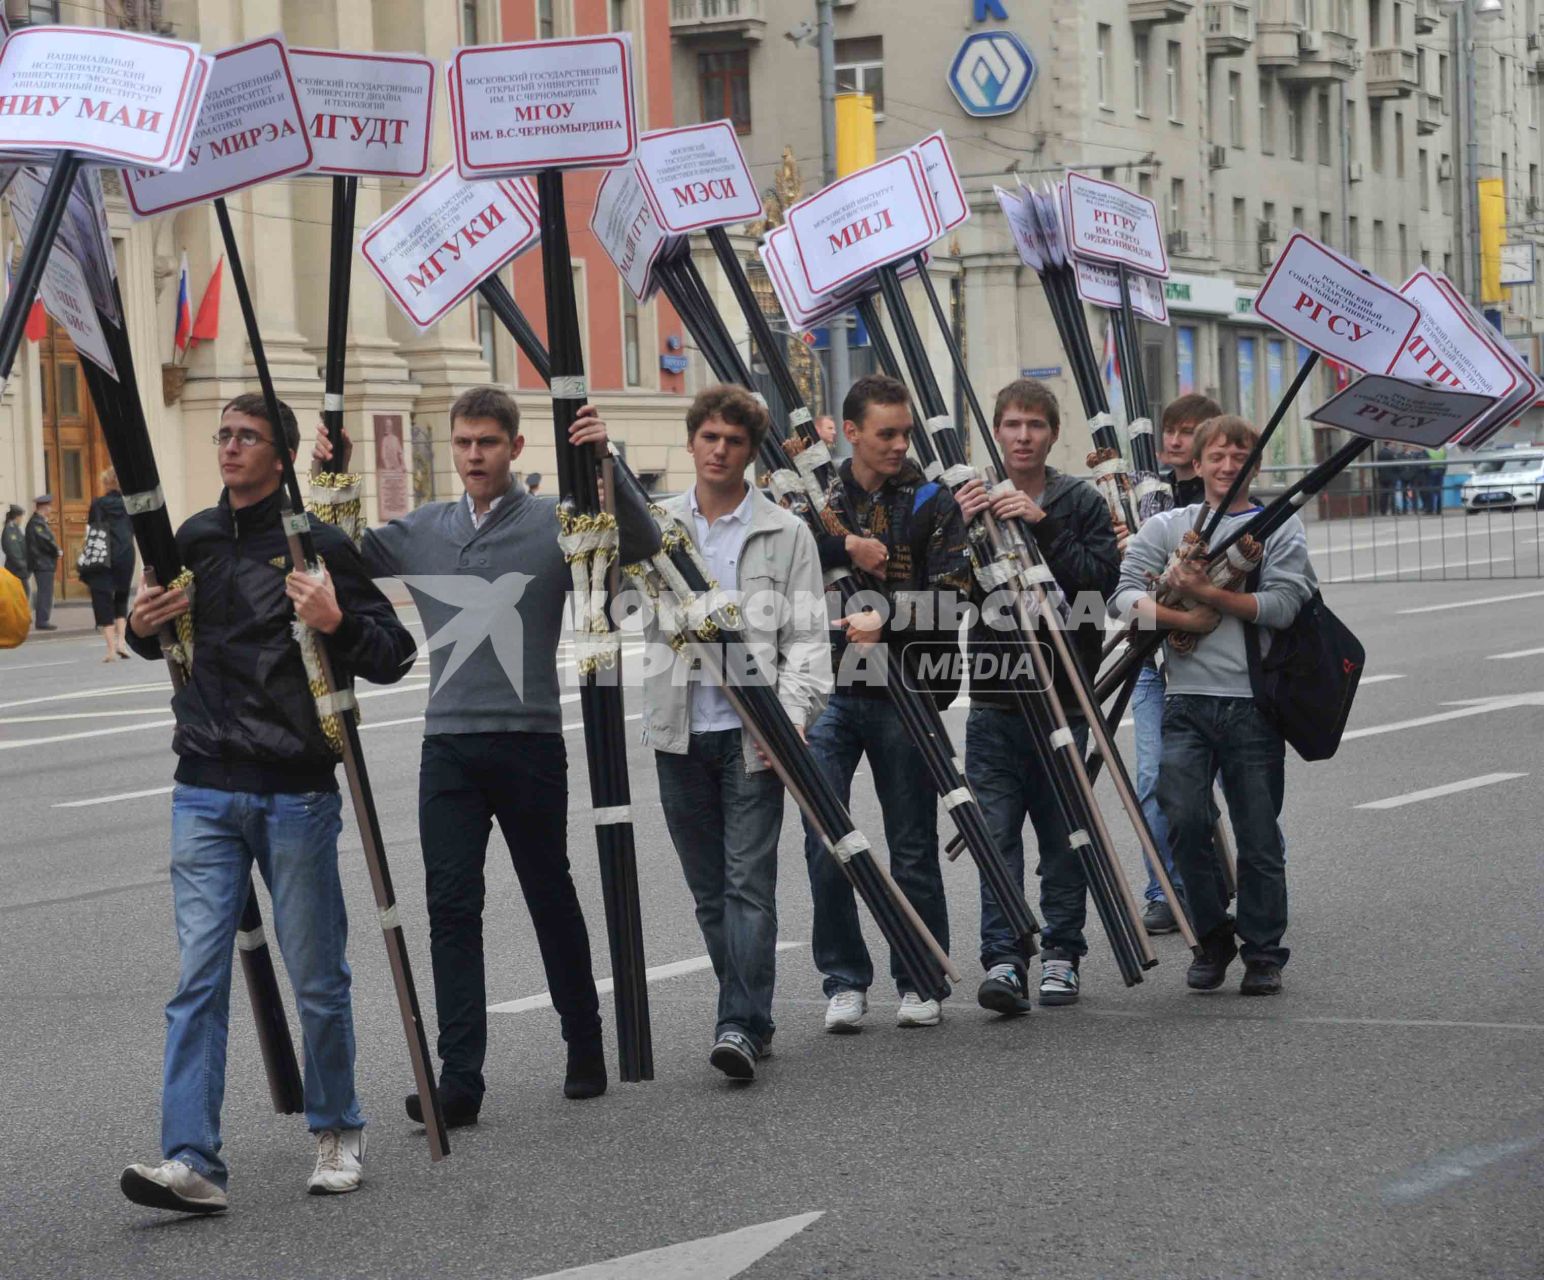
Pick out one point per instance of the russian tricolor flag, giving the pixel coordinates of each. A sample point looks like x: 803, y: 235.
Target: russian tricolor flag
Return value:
x: 184, y: 308
x: 37, y: 319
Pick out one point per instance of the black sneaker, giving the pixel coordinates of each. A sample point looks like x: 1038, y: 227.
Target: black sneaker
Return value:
x: 586, y: 1076
x: 1218, y: 950
x: 1005, y: 990
x: 1261, y: 978
x: 734, y: 1055
x: 458, y: 1111
x: 1159, y: 918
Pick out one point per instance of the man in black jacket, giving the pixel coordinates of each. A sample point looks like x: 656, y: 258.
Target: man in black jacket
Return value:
x: 255, y: 782
x: 1071, y: 526
x: 43, y: 553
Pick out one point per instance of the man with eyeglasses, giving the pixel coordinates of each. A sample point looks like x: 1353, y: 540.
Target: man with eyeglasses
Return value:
x: 255, y: 782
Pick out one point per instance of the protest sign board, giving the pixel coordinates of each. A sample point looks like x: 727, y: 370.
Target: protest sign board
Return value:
x: 1448, y: 346
x: 543, y: 104
x: 943, y: 180
x: 368, y: 114
x: 1100, y: 285
x: 628, y: 228
x: 1110, y: 224
x: 1421, y: 413
x: 449, y: 235
x: 67, y: 298
x: 859, y: 223
x: 116, y: 96
x: 1021, y: 225
x: 1331, y: 304
x: 697, y: 177
x: 250, y: 131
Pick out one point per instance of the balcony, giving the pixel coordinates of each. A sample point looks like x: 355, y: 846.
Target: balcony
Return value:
x: 1229, y: 28
x: 1142, y: 12
x: 690, y: 19
x: 1281, y: 23
x: 1427, y: 16
x: 1322, y: 56
x: 1392, y: 73
x: 1428, y: 113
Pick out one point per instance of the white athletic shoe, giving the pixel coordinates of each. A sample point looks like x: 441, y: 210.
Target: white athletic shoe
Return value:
x: 917, y: 1012
x: 172, y: 1185
x: 845, y: 1011
x: 1058, y: 981
x: 339, y: 1162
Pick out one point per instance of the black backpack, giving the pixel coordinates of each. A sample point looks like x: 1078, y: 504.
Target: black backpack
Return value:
x: 1305, y: 685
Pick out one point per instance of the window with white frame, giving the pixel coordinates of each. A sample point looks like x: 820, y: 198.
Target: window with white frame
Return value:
x: 1140, y: 49
x: 860, y: 68
x: 1171, y: 77
x: 1102, y: 38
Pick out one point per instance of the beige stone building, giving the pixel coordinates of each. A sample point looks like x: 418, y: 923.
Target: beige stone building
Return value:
x: 1241, y: 120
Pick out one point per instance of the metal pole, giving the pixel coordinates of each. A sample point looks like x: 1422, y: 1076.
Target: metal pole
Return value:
x: 1467, y: 70
x: 841, y: 367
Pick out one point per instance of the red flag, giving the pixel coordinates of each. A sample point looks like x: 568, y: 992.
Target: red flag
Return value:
x: 37, y: 322
x: 206, y: 325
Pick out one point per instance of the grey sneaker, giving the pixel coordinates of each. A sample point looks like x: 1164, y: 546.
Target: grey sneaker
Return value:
x: 172, y: 1185
x: 734, y: 1055
x: 844, y: 1014
x: 1058, y: 981
x: 1159, y: 918
x: 339, y: 1168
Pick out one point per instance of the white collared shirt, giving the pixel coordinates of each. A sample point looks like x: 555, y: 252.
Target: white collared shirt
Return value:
x: 720, y: 544
x: 471, y: 507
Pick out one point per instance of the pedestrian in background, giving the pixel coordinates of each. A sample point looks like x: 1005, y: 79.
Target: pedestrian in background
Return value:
x: 14, y: 544
x: 533, y: 483
x: 43, y: 554
x: 110, y: 587
x: 1386, y: 480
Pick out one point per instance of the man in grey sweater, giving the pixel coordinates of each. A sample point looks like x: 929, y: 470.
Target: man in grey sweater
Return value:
x: 1210, y: 721
x: 490, y: 583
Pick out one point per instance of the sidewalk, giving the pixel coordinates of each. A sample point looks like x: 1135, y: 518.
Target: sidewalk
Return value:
x: 72, y: 617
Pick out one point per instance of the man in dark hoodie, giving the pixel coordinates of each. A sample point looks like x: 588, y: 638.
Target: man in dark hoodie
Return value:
x: 888, y: 520
x: 1071, y: 526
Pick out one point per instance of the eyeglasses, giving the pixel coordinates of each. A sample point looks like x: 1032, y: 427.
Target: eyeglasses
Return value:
x: 245, y: 438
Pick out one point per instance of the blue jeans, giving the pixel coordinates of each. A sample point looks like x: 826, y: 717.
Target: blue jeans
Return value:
x: 216, y: 837
x: 1203, y: 736
x: 1003, y: 768
x: 1147, y: 714
x: 850, y: 727
x: 724, y: 823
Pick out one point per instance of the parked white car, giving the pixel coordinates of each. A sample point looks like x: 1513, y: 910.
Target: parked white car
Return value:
x: 1505, y: 482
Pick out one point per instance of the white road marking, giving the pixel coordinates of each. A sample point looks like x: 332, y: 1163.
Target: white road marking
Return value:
x: 80, y: 715
x: 1470, y: 604
x: 1516, y: 653
x: 1443, y: 1171
x: 1446, y: 789
x: 1479, y: 707
x: 33, y: 666
x: 1380, y: 678
x: 673, y: 970
x: 1417, y: 570
x: 125, y: 795
x: 80, y: 694
x: 711, y: 1258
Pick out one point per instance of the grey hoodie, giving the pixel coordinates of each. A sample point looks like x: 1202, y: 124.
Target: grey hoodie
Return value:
x: 492, y: 603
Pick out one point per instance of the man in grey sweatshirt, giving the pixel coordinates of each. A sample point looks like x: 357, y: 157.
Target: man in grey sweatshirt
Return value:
x: 490, y: 583
x: 1210, y: 721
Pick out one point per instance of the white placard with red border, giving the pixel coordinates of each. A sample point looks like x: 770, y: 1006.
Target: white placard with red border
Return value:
x: 802, y: 309
x: 1448, y: 346
x: 628, y: 228
x: 1100, y: 285
x: 1529, y: 387
x: 368, y: 114
x: 67, y: 298
x: 1329, y: 303
x: 697, y: 177
x: 115, y: 96
x: 1421, y: 413
x: 1107, y: 223
x: 543, y: 104
x: 445, y: 239
x: 251, y: 130
x: 944, y: 180
x: 871, y: 218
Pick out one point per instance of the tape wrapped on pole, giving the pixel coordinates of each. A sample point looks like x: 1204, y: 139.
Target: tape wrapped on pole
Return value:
x: 850, y: 846
x: 251, y: 939
x: 390, y: 919
x: 798, y: 416
x: 784, y: 482
x: 139, y: 504
x: 612, y: 815
x: 1061, y: 738
x: 296, y: 523
x: 810, y: 459
x: 941, y: 422
x: 955, y: 476
x: 332, y: 402
x: 954, y: 799
x: 933, y: 470
x: 570, y: 387
x: 1109, y: 467
x: 332, y: 704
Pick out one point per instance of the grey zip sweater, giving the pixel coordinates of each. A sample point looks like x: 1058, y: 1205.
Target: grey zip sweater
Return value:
x: 492, y: 602
x: 1219, y: 665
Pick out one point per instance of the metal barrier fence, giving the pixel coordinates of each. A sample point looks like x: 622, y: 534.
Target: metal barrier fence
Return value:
x: 1419, y: 520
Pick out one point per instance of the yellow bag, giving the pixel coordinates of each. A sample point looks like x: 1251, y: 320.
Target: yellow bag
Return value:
x: 15, y: 615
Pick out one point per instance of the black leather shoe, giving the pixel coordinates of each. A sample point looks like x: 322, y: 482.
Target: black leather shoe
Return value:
x: 1261, y: 978
x: 586, y: 1076
x: 458, y: 1112
x: 1207, y: 972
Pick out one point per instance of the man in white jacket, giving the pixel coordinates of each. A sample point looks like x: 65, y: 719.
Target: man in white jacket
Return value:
x: 722, y: 802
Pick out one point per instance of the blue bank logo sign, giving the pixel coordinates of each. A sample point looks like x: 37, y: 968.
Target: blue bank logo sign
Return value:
x: 992, y: 73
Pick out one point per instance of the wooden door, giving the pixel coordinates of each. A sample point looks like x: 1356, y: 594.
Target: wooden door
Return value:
x: 74, y: 452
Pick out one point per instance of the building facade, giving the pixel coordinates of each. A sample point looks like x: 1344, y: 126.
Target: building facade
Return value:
x: 1241, y: 120
x: 398, y: 380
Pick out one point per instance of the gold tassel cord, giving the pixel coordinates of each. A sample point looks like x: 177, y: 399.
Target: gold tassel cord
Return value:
x: 589, y: 545
x: 182, y: 651
x: 328, y: 716
x: 336, y: 499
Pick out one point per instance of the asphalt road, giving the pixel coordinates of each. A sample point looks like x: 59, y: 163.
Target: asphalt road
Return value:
x: 1381, y: 1118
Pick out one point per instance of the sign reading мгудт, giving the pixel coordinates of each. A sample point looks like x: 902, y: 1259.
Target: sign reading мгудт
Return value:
x: 368, y: 114
x: 544, y: 104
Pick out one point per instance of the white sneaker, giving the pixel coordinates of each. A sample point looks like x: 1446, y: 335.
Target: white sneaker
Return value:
x: 917, y: 1012
x: 172, y: 1185
x: 1058, y: 981
x: 845, y: 1011
x: 339, y: 1157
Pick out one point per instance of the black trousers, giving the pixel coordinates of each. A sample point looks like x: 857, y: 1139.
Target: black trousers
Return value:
x: 464, y: 782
